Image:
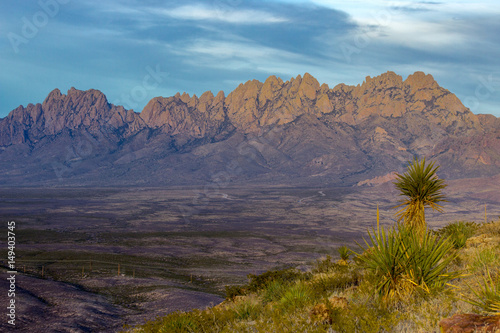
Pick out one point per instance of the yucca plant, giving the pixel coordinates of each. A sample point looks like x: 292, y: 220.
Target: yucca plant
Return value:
x: 422, y: 188
x: 429, y: 258
x: 385, y: 257
x: 488, y: 297
x: 403, y: 263
x: 344, y: 253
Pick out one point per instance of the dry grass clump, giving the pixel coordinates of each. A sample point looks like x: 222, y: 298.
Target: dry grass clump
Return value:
x: 491, y: 228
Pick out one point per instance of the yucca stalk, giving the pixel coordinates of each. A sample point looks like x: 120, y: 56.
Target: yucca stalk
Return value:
x: 422, y: 188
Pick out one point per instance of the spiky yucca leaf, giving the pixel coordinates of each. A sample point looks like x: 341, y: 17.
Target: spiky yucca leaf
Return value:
x: 403, y: 262
x: 344, y: 252
x: 488, y: 297
x: 422, y: 188
x: 428, y: 259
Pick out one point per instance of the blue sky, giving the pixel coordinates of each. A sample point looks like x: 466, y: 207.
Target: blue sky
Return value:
x: 134, y: 50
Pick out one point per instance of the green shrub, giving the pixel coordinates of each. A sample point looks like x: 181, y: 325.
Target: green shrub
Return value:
x: 403, y: 263
x: 488, y: 295
x: 210, y: 320
x: 458, y: 232
x: 247, y: 309
x: 180, y: 323
x: 483, y: 258
x: 175, y: 322
x: 261, y: 281
x: 324, y: 283
x: 296, y: 296
x: 366, y: 317
x: 325, y: 265
x: 233, y: 291
x: 274, y: 291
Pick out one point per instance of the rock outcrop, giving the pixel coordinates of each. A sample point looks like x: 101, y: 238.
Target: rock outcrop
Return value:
x: 469, y: 323
x: 272, y: 131
x: 78, y: 110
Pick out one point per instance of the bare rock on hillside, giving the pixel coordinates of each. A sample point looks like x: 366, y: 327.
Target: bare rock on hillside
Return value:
x: 469, y: 323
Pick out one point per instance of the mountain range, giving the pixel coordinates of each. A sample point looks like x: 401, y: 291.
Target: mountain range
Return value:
x: 273, y: 132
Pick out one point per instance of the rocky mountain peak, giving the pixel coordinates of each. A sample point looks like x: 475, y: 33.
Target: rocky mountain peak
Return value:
x: 220, y: 97
x: 419, y: 80
x: 308, y: 87
x: 306, y: 130
x: 77, y: 110
x: 270, y: 90
x: 53, y: 95
x: 254, y: 104
x: 387, y: 95
x: 387, y: 80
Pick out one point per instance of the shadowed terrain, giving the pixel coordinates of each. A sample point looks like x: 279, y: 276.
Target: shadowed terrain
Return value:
x: 177, y: 248
x: 294, y: 132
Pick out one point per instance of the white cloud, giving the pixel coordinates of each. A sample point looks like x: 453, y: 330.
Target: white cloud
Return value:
x: 222, y: 14
x: 417, y: 25
x: 226, y: 49
x: 240, y: 55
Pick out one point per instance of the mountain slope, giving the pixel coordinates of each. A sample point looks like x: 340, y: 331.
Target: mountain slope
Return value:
x: 296, y: 131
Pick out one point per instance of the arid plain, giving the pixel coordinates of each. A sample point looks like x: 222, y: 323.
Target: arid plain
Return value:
x: 94, y: 259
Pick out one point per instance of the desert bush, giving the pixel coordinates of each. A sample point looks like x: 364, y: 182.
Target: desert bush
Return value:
x: 261, y: 281
x: 402, y: 263
x: 458, y: 232
x: 274, y: 291
x: 296, y: 296
x: 247, y: 309
x: 176, y: 322
x: 180, y: 323
x: 487, y: 295
x: 233, y: 291
x: 484, y: 258
x: 344, y: 252
x: 367, y: 317
x: 324, y: 283
x: 490, y: 228
x: 323, y: 265
x: 327, y: 265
